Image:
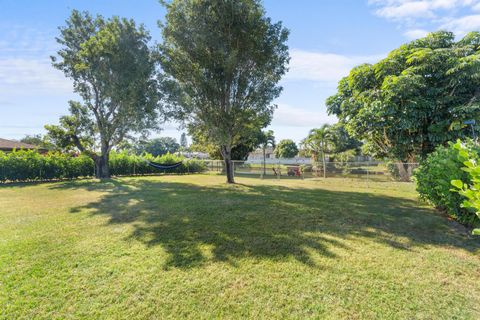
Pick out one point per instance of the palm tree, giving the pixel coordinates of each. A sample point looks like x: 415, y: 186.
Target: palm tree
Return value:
x: 318, y: 142
x: 267, y: 138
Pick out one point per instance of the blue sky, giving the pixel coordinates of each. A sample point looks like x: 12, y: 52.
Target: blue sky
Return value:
x: 327, y: 39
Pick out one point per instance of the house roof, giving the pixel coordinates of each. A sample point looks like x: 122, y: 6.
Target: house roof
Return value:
x: 8, y: 145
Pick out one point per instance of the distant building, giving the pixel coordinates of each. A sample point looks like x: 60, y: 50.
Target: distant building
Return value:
x: 10, y: 145
x: 257, y: 157
x: 193, y: 155
x: 258, y: 154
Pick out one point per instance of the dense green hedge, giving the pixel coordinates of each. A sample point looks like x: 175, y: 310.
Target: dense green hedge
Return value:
x: 29, y: 165
x: 434, y: 178
x: 124, y: 164
x: 25, y: 165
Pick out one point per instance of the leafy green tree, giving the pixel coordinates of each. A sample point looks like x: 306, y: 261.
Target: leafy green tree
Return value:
x: 266, y: 139
x: 114, y: 73
x: 224, y: 59
x: 318, y: 143
x: 158, y: 146
x: 246, y: 144
x: 37, y: 140
x: 407, y: 104
x: 341, y: 140
x: 286, y: 149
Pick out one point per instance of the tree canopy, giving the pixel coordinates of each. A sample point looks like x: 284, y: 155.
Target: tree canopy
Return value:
x: 224, y: 59
x: 286, y: 149
x: 414, y: 99
x: 114, y: 73
x: 246, y: 144
x: 37, y: 140
x: 157, y: 146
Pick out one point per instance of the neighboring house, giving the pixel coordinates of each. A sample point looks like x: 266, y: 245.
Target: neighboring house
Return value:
x: 257, y: 157
x: 10, y: 145
x: 193, y: 155
x: 258, y: 154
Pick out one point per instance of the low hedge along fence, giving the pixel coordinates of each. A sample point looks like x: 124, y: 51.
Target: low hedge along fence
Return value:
x: 29, y: 165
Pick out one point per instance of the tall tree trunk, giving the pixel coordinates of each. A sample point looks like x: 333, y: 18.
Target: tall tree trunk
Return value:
x: 405, y: 170
x: 101, y: 164
x: 227, y: 157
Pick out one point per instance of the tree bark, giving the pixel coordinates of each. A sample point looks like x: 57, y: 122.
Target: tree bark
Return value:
x: 227, y: 157
x: 405, y: 169
x: 101, y: 163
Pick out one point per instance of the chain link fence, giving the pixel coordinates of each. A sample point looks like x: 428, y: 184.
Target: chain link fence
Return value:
x: 271, y: 169
x: 367, y: 170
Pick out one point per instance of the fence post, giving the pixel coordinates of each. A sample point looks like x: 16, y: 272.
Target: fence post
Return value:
x: 263, y: 168
x: 368, y: 170
x: 279, y: 171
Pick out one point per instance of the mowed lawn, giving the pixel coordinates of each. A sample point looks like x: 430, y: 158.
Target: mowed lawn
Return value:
x: 193, y: 247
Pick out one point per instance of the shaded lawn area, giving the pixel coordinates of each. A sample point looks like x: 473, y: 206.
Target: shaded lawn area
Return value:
x: 193, y: 247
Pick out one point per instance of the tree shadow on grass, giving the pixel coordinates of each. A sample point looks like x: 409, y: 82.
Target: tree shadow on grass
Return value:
x: 265, y: 222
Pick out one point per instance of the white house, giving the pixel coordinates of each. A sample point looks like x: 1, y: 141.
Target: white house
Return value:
x: 257, y: 157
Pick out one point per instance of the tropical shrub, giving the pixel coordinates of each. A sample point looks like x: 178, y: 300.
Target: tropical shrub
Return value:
x: 434, y: 176
x: 471, y: 191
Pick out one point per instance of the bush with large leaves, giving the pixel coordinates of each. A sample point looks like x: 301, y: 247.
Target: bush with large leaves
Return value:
x: 470, y: 157
x: 434, y: 178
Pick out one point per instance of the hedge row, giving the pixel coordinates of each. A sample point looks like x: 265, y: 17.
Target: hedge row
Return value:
x: 29, y: 165
x: 123, y: 163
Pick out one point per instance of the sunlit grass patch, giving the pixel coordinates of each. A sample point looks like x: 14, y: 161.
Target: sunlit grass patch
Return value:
x: 193, y: 247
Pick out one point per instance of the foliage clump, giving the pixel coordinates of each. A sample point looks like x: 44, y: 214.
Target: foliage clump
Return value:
x: 470, y: 157
x: 434, y: 178
x: 286, y: 148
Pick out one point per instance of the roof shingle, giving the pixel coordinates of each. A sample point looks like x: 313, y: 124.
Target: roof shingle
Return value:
x: 10, y: 145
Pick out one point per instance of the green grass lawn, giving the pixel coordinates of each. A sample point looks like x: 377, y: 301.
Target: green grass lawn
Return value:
x: 193, y: 247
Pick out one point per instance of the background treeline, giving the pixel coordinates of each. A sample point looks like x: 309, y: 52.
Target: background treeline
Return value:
x: 29, y: 165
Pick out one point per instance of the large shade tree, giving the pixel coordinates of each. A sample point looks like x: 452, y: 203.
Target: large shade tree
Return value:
x: 114, y: 72
x: 414, y: 99
x: 225, y: 59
